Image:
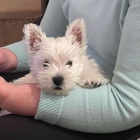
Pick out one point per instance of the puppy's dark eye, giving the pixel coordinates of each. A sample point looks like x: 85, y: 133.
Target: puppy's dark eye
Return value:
x: 69, y: 63
x: 46, y: 64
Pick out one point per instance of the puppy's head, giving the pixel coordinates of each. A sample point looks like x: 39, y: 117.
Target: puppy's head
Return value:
x: 56, y: 63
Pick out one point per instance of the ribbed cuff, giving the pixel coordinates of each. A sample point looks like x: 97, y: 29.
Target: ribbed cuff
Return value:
x: 49, y: 108
x: 19, y: 49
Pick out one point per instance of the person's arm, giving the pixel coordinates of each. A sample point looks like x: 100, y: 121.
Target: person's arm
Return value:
x: 53, y: 24
x: 109, y: 108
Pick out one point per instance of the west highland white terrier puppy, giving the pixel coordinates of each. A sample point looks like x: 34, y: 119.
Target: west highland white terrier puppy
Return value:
x: 57, y: 65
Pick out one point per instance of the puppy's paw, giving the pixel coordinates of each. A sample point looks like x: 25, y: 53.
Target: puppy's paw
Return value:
x: 89, y: 84
x: 96, y: 82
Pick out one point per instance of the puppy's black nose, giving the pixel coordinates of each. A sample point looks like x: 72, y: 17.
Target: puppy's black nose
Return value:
x: 57, y: 80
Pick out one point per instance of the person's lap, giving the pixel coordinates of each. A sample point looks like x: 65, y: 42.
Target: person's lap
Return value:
x: 21, y: 128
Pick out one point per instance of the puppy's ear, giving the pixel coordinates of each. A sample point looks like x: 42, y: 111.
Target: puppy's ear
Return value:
x: 76, y: 32
x: 33, y: 37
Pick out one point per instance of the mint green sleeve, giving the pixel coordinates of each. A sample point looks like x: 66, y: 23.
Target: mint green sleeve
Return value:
x: 110, y: 108
x: 48, y: 24
x: 18, y: 49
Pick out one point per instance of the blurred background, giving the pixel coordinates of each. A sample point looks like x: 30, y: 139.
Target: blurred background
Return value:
x: 14, y: 14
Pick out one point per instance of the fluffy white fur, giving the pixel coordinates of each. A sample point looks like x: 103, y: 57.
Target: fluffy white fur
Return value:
x: 58, y: 64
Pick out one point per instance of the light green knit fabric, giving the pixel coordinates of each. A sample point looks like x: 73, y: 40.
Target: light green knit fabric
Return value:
x: 113, y: 32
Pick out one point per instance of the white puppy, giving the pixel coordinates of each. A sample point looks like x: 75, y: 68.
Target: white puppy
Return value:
x: 58, y: 64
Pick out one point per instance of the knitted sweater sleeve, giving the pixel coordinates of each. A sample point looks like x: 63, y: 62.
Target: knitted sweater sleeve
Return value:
x: 109, y: 108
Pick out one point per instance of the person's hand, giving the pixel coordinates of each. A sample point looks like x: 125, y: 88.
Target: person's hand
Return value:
x: 8, y: 60
x: 19, y: 99
x: 5, y: 90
